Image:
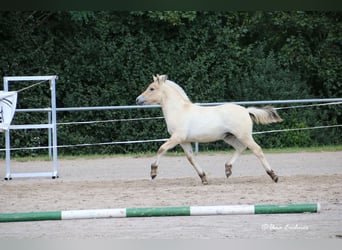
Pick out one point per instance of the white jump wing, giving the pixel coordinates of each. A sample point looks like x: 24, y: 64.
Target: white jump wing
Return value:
x: 8, y: 103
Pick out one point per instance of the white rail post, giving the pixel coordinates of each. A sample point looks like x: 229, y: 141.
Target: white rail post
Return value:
x: 54, y: 126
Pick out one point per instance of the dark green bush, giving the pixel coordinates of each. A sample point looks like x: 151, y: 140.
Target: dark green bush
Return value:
x: 107, y: 58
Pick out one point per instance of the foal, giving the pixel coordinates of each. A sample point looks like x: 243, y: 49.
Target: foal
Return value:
x: 187, y: 122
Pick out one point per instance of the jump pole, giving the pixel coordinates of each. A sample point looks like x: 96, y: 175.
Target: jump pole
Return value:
x: 161, y: 211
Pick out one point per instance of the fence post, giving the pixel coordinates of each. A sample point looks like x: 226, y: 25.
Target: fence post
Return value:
x: 49, y: 135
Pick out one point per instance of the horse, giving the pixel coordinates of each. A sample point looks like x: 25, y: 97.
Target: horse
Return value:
x: 187, y: 122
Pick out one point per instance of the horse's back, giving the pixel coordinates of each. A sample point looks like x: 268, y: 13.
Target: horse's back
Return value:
x: 227, y: 111
x: 236, y: 118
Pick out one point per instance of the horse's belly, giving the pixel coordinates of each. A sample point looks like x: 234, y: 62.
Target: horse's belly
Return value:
x: 205, y: 138
x: 206, y: 133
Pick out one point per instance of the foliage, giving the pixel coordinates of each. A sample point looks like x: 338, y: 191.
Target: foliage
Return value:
x: 107, y: 58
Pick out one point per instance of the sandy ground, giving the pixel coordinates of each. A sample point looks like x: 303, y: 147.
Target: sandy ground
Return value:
x: 121, y: 182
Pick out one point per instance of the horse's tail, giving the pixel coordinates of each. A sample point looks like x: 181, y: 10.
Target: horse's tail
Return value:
x: 264, y: 115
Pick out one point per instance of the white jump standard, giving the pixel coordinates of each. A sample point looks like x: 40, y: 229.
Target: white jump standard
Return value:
x: 8, y: 114
x: 161, y: 211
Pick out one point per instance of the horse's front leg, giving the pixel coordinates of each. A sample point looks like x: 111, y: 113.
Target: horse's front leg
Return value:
x: 171, y: 143
x: 190, y: 156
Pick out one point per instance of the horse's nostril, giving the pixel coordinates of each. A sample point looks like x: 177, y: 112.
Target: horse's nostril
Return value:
x: 140, y: 100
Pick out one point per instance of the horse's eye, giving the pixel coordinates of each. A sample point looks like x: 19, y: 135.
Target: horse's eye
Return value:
x: 151, y: 89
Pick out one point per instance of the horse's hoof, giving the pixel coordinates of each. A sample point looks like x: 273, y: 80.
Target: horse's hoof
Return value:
x: 204, y: 179
x: 275, y: 179
x: 154, y: 169
x: 273, y: 176
x: 228, y: 170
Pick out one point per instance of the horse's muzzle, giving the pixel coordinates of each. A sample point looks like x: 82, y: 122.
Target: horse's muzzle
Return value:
x: 140, y: 100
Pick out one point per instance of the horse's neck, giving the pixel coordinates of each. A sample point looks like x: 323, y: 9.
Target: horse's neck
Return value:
x: 173, y: 103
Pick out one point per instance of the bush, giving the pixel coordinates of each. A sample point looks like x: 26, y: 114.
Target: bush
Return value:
x: 107, y: 58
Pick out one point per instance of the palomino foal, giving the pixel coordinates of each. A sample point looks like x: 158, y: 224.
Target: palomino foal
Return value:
x: 187, y: 122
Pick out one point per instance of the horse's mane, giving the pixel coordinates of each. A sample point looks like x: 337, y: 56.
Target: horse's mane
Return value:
x: 178, y: 88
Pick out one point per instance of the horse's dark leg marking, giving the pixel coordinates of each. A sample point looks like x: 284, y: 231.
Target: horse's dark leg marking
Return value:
x: 273, y: 176
x: 204, y: 179
x: 154, y: 170
x: 228, y: 169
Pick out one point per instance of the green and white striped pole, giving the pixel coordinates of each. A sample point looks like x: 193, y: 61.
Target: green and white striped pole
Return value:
x: 161, y: 211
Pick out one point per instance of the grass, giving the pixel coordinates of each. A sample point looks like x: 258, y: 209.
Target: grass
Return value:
x: 332, y: 148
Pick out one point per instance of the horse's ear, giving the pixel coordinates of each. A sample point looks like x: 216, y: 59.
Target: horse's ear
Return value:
x: 159, y: 78
x: 162, y: 78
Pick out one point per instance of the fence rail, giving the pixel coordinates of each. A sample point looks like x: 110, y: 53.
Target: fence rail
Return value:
x: 268, y: 102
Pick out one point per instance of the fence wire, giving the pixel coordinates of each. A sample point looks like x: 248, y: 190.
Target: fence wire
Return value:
x: 164, y: 139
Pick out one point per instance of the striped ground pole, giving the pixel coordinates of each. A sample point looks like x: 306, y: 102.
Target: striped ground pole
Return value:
x: 160, y: 211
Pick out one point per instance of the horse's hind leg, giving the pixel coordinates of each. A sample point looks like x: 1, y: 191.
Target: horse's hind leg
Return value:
x: 190, y: 156
x: 256, y: 149
x: 239, y: 148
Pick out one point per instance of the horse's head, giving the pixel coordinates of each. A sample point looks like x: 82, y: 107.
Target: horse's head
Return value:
x: 152, y: 95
